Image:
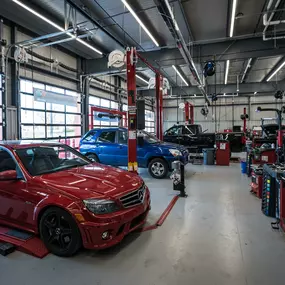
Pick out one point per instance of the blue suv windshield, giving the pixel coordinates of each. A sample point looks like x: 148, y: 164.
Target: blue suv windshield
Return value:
x: 151, y: 139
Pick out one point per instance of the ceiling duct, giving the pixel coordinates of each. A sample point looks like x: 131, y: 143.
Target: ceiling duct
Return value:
x: 168, y: 17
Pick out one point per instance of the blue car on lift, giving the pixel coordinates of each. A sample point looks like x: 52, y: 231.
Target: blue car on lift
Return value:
x: 110, y: 146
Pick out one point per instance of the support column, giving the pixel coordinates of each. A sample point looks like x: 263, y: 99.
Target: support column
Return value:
x: 244, y: 120
x: 132, y: 110
x: 159, y: 106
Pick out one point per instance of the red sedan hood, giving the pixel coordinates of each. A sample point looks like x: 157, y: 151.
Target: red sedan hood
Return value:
x: 93, y: 181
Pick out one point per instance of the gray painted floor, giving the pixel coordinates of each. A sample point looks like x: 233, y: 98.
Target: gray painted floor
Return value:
x: 216, y: 236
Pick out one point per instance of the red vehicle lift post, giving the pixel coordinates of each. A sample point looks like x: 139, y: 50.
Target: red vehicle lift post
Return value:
x: 189, y: 113
x: 159, y: 97
x: 132, y: 110
x: 103, y: 110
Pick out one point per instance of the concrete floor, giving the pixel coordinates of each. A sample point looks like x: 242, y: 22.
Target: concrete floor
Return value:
x: 217, y: 235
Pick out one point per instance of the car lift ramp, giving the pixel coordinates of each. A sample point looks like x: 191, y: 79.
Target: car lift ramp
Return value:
x: 23, y: 241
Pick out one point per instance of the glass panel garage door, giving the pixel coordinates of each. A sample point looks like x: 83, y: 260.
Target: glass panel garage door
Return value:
x: 49, y: 121
x: 149, y: 121
x: 104, y: 103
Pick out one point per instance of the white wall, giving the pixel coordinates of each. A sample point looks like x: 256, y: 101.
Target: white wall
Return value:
x: 224, y: 113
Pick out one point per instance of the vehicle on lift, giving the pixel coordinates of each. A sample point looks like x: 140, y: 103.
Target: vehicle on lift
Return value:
x: 190, y: 136
x: 110, y: 146
x: 53, y: 190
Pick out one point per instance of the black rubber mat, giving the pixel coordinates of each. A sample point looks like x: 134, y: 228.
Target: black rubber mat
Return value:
x: 19, y: 234
x: 6, y: 248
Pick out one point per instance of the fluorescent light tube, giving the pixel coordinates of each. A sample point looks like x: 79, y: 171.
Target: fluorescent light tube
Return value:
x: 140, y: 22
x: 233, y: 18
x: 142, y: 79
x: 274, y: 73
x: 55, y: 25
x: 174, y: 67
x: 227, y: 71
x: 247, y: 67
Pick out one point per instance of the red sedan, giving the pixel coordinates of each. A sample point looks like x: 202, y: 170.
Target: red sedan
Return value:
x: 53, y: 190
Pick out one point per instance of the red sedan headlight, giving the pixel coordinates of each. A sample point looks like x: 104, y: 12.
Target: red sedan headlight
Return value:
x: 101, y: 206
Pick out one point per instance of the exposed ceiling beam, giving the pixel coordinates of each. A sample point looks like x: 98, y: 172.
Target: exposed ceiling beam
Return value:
x: 245, y: 88
x: 239, y: 50
x: 273, y: 74
x: 95, y: 22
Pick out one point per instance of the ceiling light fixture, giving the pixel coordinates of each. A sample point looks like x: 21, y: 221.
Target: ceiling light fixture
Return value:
x: 234, y: 7
x: 227, y: 71
x: 174, y: 67
x: 140, y: 22
x: 255, y: 93
x: 55, y: 25
x: 224, y: 94
x: 142, y: 79
x: 276, y: 71
x: 195, y: 95
x: 246, y: 69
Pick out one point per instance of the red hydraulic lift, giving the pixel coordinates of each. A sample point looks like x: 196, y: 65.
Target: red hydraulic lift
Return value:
x: 159, y: 97
x: 131, y: 59
x: 103, y: 110
x: 189, y: 113
x: 132, y: 110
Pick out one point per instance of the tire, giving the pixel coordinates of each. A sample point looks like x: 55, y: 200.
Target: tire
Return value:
x: 59, y: 232
x: 93, y: 157
x: 158, y: 168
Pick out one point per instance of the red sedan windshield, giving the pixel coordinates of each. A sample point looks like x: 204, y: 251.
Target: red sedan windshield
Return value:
x: 47, y: 159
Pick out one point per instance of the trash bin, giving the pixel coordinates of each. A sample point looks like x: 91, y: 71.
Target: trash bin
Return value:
x: 243, y: 166
x: 209, y: 156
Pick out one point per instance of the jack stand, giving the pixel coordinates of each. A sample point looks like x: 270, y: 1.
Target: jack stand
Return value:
x: 178, y: 177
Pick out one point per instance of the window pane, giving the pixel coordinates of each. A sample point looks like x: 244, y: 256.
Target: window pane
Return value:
x: 105, y: 103
x: 73, y: 119
x: 103, y: 123
x: 26, y: 86
x: 71, y: 109
x: 55, y: 118
x: 73, y: 131
x: 94, y: 101
x: 39, y: 132
x: 27, y: 116
x: 90, y: 137
x: 27, y: 101
x: 122, y: 137
x: 1, y: 120
x: 1, y: 133
x: 39, y: 117
x: 114, y: 105
x: 125, y: 108
x: 27, y: 132
x: 55, y: 132
x: 107, y: 137
x: 38, y: 85
x: 39, y: 105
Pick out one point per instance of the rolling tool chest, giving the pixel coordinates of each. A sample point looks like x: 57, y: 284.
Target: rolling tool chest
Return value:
x: 257, y: 181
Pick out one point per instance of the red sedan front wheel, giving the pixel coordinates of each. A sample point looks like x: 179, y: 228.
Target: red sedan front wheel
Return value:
x: 59, y: 232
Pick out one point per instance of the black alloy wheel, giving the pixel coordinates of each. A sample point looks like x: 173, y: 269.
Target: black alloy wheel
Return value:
x: 60, y: 232
x: 93, y: 157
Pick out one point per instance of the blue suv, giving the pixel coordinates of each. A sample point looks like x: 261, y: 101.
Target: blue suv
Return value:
x: 110, y: 146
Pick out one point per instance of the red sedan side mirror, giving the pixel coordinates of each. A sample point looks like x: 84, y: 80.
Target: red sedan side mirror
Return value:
x: 8, y: 175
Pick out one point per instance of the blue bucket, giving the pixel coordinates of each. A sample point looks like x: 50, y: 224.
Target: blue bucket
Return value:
x: 243, y: 166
